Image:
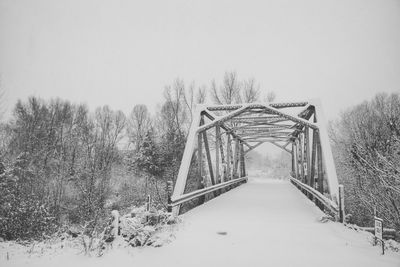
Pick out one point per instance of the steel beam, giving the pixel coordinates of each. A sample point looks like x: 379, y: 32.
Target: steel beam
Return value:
x: 235, y: 159
x: 217, y: 147
x: 208, y: 156
x: 307, y: 154
x: 253, y: 147
x: 275, y: 105
x: 222, y: 119
x: 201, y: 182
x: 187, y: 157
x: 222, y: 125
x: 229, y: 157
x: 327, y: 156
x: 282, y: 147
x: 242, y: 162
x: 270, y: 120
x: 221, y: 148
x: 296, y: 167
x: 293, y: 159
x: 292, y: 118
x: 313, y: 158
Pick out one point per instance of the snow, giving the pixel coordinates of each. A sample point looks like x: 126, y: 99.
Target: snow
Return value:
x: 262, y: 223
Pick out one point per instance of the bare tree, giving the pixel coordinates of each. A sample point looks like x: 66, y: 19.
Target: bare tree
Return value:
x: 189, y: 99
x: 270, y: 97
x: 201, y: 95
x: 3, y: 102
x: 194, y: 96
x: 5, y: 136
x: 235, y: 91
x: 138, y: 124
x: 250, y: 91
x: 98, y: 152
x: 174, y: 109
x: 229, y: 92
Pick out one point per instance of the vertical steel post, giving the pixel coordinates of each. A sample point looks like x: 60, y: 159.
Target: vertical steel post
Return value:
x: 235, y: 158
x: 320, y: 171
x: 228, y: 157
x: 313, y: 159
x: 217, y: 135
x: 341, y: 204
x: 202, y: 181
x: 307, y: 152
x: 293, y: 161
x: 308, y: 158
x: 301, y: 143
x: 296, y: 152
x: 221, y: 145
x: 242, y: 166
x: 208, y: 156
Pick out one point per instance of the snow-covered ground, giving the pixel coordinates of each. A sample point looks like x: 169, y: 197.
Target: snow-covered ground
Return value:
x: 262, y: 223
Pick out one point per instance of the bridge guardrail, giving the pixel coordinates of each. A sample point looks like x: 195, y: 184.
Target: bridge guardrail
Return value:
x: 201, y: 192
x: 329, y: 204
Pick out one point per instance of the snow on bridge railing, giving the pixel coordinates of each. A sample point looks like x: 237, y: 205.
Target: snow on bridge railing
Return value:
x: 201, y: 192
x: 329, y: 204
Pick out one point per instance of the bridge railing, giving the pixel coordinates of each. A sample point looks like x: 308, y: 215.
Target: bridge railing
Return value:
x: 328, y: 204
x: 201, y: 192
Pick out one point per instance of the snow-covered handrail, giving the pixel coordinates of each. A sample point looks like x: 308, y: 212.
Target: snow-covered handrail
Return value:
x: 201, y: 192
x: 323, y: 199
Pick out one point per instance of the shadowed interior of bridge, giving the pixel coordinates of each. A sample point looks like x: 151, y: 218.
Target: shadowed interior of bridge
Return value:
x: 265, y: 222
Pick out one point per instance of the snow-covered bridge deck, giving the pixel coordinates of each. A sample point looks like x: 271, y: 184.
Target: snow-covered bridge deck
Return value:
x: 262, y: 223
x: 267, y: 223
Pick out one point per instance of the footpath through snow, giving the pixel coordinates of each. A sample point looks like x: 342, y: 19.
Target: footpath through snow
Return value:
x: 262, y: 223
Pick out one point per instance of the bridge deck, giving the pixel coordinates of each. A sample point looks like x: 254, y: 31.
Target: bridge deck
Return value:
x: 267, y: 223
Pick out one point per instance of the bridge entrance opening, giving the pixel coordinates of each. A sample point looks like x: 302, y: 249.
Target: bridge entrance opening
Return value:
x: 221, y: 136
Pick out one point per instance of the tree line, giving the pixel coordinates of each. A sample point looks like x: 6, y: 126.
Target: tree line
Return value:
x: 62, y: 164
x: 366, y: 147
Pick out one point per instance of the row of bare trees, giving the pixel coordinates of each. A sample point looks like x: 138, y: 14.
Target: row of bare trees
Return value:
x: 58, y: 160
x: 57, y: 163
x: 366, y: 142
x: 233, y: 90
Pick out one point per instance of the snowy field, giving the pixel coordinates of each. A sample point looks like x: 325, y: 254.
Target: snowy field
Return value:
x: 262, y: 223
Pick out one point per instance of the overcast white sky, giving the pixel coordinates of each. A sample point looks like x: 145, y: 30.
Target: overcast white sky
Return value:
x: 122, y: 53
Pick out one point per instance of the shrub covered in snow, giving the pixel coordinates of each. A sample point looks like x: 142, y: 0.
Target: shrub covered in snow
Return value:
x: 23, y: 213
x: 141, y: 228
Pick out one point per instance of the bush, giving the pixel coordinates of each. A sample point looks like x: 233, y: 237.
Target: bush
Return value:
x: 23, y: 213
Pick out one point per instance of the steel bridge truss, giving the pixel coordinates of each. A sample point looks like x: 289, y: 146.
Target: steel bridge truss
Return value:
x: 221, y: 136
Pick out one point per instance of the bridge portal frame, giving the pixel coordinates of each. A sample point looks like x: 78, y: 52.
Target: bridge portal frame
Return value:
x: 302, y: 133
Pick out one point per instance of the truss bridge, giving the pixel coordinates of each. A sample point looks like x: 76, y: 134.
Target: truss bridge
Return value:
x: 221, y: 135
